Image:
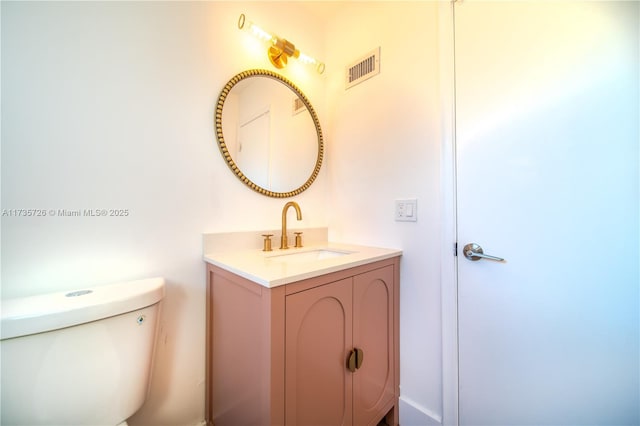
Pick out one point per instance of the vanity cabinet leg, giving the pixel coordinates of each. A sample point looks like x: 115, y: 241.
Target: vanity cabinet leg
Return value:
x: 391, y: 418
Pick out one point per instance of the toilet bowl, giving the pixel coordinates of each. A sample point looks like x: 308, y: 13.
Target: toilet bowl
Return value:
x: 79, y: 357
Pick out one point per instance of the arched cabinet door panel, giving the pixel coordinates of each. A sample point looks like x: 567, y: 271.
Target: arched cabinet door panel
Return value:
x: 318, y: 342
x: 373, y: 333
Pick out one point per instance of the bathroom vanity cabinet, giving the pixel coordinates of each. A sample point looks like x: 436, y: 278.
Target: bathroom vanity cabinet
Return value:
x: 318, y: 351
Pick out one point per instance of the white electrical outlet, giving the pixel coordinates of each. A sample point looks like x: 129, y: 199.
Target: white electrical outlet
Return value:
x: 406, y: 210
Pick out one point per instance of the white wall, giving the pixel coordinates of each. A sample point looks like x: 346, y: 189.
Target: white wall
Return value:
x: 110, y: 105
x: 384, y: 144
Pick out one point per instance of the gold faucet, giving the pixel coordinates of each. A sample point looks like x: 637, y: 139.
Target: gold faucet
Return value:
x: 283, y: 240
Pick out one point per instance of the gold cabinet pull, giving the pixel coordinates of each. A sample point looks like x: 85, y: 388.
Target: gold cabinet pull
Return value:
x: 351, y: 361
x: 359, y: 357
x: 354, y: 361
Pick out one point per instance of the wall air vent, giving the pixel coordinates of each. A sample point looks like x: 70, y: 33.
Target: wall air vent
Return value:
x: 363, y: 69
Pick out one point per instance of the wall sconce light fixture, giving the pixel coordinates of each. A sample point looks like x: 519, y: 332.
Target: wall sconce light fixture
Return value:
x: 280, y: 50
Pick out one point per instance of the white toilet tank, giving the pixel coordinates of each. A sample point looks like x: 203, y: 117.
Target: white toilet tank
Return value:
x: 78, y: 358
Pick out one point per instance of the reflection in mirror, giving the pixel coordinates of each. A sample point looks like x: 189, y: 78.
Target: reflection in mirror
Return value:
x: 269, y: 133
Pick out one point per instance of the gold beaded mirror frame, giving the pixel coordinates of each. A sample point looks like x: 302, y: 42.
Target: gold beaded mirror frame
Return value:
x: 311, y: 142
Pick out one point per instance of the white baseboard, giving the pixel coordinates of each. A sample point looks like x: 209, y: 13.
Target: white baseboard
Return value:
x: 413, y: 414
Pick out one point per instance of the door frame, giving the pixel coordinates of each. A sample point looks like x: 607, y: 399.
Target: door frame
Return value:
x: 449, y: 259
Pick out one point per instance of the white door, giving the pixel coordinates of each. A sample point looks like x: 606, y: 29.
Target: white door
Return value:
x: 547, y: 177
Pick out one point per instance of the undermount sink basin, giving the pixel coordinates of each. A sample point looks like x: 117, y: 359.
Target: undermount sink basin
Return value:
x: 308, y: 256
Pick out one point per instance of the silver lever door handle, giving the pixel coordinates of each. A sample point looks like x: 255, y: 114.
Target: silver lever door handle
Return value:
x: 474, y: 252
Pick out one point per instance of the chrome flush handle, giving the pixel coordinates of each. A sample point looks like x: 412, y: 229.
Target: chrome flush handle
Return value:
x: 474, y: 252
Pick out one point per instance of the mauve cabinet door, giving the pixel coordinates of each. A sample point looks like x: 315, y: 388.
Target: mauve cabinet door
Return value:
x: 318, y: 342
x: 373, y: 330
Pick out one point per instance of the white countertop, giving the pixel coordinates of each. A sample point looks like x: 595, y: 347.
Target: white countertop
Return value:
x: 270, y: 269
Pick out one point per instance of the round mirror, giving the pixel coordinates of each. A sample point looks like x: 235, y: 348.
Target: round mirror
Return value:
x: 269, y: 133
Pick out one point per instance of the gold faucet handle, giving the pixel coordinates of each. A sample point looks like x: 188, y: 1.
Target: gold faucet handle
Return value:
x: 267, y: 242
x: 298, y: 239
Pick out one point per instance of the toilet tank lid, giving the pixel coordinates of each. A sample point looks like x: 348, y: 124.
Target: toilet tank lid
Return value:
x: 37, y: 314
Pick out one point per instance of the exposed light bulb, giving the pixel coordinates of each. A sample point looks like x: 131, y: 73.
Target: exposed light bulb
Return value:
x: 308, y: 60
x: 260, y: 33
